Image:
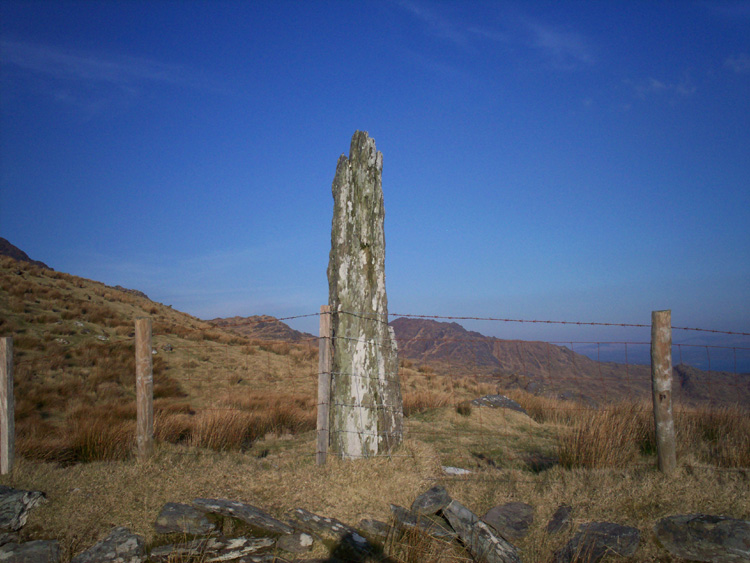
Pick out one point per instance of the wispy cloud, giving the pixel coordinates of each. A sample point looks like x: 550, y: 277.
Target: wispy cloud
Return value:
x: 654, y: 87
x: 436, y: 24
x: 91, y: 80
x: 565, y: 50
x: 738, y: 63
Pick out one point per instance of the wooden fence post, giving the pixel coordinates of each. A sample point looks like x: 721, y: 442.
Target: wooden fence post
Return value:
x: 7, y: 406
x: 144, y: 388
x: 661, y: 385
x: 324, y: 383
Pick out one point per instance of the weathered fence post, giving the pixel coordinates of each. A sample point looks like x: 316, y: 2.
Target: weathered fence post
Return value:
x: 661, y: 385
x: 7, y: 406
x: 144, y: 388
x: 324, y: 383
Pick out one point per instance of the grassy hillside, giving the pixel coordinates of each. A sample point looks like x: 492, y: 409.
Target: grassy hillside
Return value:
x: 235, y: 418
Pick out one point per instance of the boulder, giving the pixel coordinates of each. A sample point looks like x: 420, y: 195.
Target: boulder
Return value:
x: 560, y: 519
x: 209, y: 550
x: 498, y: 402
x: 374, y: 528
x: 511, y: 520
x: 120, y: 546
x: 15, y: 505
x: 429, y: 524
x: 40, y: 551
x: 182, y: 519
x: 701, y: 537
x: 299, y: 542
x: 431, y: 501
x: 478, y: 537
x: 596, y: 539
x: 245, y: 512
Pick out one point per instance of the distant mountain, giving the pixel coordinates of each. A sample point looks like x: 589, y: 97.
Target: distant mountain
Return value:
x: 7, y: 249
x: 261, y: 327
x: 541, y: 367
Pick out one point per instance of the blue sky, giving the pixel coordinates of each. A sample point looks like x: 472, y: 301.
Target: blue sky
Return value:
x: 542, y: 160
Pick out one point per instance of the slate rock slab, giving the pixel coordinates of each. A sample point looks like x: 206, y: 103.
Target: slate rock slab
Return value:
x: 120, y: 546
x: 374, y: 528
x: 15, y: 505
x: 431, y: 501
x: 511, y: 520
x: 478, y: 537
x: 40, y: 551
x: 245, y: 512
x: 429, y: 524
x: 499, y: 402
x: 182, y: 519
x: 560, y: 520
x: 299, y: 542
x: 701, y: 537
x: 210, y: 550
x: 594, y: 540
x: 349, y: 542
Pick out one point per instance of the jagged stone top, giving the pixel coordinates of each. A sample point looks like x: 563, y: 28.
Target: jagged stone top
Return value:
x: 363, y: 151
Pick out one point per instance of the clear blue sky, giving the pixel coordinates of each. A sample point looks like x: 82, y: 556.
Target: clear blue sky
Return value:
x: 542, y: 160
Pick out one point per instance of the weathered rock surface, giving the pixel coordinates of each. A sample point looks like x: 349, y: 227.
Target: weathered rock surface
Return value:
x: 182, y: 519
x: 511, y: 520
x: 430, y: 525
x: 15, y: 505
x: 217, y: 549
x: 498, y: 402
x: 700, y: 537
x: 596, y: 539
x: 120, y: 546
x: 40, y: 551
x: 366, y: 415
x: 478, y: 537
x: 245, y: 512
x: 431, y: 501
x: 299, y: 542
x: 560, y: 520
x: 348, y: 543
x: 374, y: 528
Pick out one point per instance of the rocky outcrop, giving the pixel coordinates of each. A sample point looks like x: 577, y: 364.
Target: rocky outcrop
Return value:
x: 15, y: 505
x: 478, y: 537
x: 511, y: 520
x: 594, y: 540
x: 499, y: 402
x: 176, y: 518
x: 701, y: 537
x: 120, y: 546
x: 366, y: 408
x: 38, y: 551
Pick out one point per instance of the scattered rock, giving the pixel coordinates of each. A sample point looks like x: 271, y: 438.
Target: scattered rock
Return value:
x: 120, y: 546
x: 182, y: 518
x: 40, y: 551
x: 700, y: 537
x: 431, y: 501
x: 62, y: 341
x: 511, y: 520
x: 15, y: 505
x: 478, y: 536
x: 499, y: 402
x: 167, y: 348
x: 324, y: 528
x: 374, y: 528
x: 299, y: 542
x: 245, y: 512
x: 560, y: 520
x: 102, y: 337
x: 216, y: 549
x: 596, y: 539
x: 448, y: 470
x: 430, y: 525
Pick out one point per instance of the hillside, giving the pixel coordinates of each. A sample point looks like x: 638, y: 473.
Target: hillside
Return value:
x: 7, y: 249
x: 261, y: 327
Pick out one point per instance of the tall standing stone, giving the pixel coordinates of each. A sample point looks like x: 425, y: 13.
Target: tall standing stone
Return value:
x: 366, y: 409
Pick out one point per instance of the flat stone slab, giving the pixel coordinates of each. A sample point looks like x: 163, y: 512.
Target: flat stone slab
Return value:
x: 478, y: 537
x: 120, y: 546
x: 594, y: 540
x: 431, y: 501
x: 374, y: 528
x: 40, y: 551
x: 299, y: 542
x: 210, y: 550
x: 182, y: 519
x: 245, y: 512
x: 15, y: 505
x: 448, y: 470
x: 511, y: 520
x: 701, y: 537
x: 428, y: 524
x: 349, y: 541
x: 499, y: 402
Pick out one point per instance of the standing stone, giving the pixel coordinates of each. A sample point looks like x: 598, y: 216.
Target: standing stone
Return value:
x: 366, y: 409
